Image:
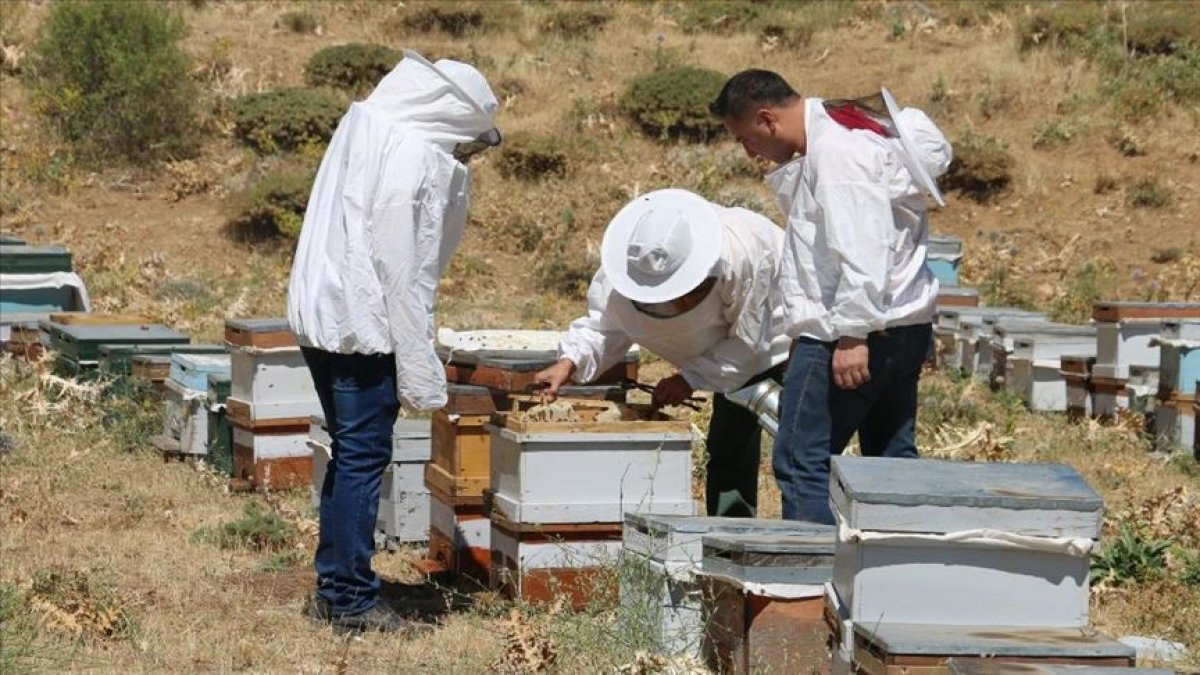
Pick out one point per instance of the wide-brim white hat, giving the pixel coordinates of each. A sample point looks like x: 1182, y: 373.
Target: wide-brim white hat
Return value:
x: 661, y: 245
x: 913, y: 161
x: 468, y: 83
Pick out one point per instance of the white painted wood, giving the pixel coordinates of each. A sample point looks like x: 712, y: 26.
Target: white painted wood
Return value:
x: 472, y: 532
x: 275, y: 383
x: 1106, y: 404
x: 192, y: 370
x: 401, y: 478
x: 943, y: 583
x: 1121, y: 344
x: 929, y: 496
x: 1175, y: 429
x: 554, y: 555
x: 842, y: 612
x: 185, y: 417
x: 321, y: 458
x: 405, y: 517
x: 1181, y: 329
x: 272, y: 446
x: 1040, y: 384
x: 411, y: 438
x: 590, y: 477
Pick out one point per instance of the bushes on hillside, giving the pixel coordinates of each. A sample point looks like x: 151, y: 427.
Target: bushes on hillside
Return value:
x: 455, y: 21
x: 715, y: 16
x: 674, y: 103
x: 982, y: 167
x: 111, y: 77
x: 285, y: 119
x: 530, y: 157
x: 354, y: 67
x: 272, y: 207
x: 571, y: 24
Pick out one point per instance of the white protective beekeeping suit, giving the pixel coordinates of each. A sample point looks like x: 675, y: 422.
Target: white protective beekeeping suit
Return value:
x: 386, y: 212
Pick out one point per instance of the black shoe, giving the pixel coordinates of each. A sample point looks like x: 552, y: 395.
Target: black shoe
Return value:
x: 317, y: 608
x: 378, y: 619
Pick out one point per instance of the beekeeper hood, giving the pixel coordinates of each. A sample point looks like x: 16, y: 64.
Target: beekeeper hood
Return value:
x: 449, y: 102
x: 661, y: 245
x: 927, y: 153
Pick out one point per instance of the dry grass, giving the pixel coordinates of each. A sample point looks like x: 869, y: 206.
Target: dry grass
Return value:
x: 118, y: 526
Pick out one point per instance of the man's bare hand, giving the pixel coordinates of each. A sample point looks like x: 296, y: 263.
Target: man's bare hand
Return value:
x: 554, y: 378
x: 850, y: 363
x: 671, y: 391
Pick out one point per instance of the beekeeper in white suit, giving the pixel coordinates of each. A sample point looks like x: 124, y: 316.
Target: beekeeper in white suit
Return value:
x: 857, y: 297
x: 690, y: 281
x: 386, y: 212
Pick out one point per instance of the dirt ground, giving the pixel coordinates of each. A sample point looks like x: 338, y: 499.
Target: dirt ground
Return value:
x: 101, y: 566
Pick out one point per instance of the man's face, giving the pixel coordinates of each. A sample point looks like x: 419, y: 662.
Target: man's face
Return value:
x: 759, y: 135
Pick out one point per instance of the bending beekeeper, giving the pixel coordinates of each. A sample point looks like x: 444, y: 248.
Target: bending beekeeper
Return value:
x: 857, y: 297
x: 690, y: 281
x: 386, y: 212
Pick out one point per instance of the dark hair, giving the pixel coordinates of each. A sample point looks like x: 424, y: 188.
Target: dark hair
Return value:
x: 748, y: 89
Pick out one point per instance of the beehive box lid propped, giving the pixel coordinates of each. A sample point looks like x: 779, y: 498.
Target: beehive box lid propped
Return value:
x: 913, y: 639
x: 938, y: 496
x: 24, y: 259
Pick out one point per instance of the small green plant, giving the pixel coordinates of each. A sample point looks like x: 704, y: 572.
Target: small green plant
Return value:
x: 273, y: 207
x: 1130, y: 558
x: 282, y: 561
x: 111, y: 78
x: 456, y: 21
x: 1061, y: 25
x: 1190, y: 561
x: 982, y: 167
x: 673, y: 104
x: 1149, y: 193
x: 258, y: 529
x: 131, y: 414
x: 285, y: 119
x: 1092, y: 280
x: 577, y: 23
x: 303, y: 23
x: 353, y: 67
x: 1052, y: 134
x: 717, y: 16
x: 531, y: 157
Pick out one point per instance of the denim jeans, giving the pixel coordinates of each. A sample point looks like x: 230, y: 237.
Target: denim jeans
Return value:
x: 734, y: 446
x: 818, y: 418
x: 358, y: 397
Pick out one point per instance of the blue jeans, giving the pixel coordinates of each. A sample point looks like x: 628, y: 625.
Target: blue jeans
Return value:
x: 358, y: 397
x: 818, y: 418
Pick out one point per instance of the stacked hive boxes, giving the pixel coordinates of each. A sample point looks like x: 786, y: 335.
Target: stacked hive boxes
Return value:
x: 404, y: 500
x: 766, y: 599
x: 37, y: 280
x: 185, y: 422
x: 488, y: 370
x: 964, y: 326
x: 77, y: 342
x: 271, y: 398
x: 1126, y: 360
x: 943, y: 559
x: 561, y: 490
x: 1033, y: 367
x: 943, y: 257
x: 1179, y: 368
x: 662, y: 588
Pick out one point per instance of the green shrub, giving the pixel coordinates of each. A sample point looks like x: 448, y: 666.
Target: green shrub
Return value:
x: 1063, y: 25
x: 982, y: 167
x: 455, y: 21
x: 1129, y: 558
x: 571, y: 24
x: 272, y: 207
x: 111, y: 77
x: 530, y: 157
x: 674, y: 103
x: 1163, y: 28
x: 354, y: 67
x: 258, y: 530
x: 1052, y: 134
x: 285, y: 119
x: 719, y: 16
x: 299, y: 22
x: 1149, y: 193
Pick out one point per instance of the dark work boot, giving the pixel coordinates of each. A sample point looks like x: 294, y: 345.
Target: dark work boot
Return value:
x: 378, y: 619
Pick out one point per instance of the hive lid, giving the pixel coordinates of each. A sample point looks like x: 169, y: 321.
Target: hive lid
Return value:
x: 975, y: 666
x: 114, y: 333
x: 818, y: 541
x: 997, y: 641
x: 261, y: 325
x: 661, y: 525
x: 23, y: 259
x: 205, y: 363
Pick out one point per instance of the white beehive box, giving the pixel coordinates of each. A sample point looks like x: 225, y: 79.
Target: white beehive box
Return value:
x: 404, y: 503
x: 1125, y: 331
x: 1174, y: 425
x: 1037, y: 359
x: 1000, y: 543
x: 192, y: 370
x: 185, y: 417
x: 463, y: 533
x: 1007, y: 332
x: 274, y: 383
x: 590, y: 472
x: 272, y: 445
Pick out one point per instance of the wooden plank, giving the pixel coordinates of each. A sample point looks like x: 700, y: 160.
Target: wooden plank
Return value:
x: 1119, y: 311
x: 543, y: 586
x: 749, y: 633
x: 456, y: 491
x: 461, y: 446
x: 239, y: 413
x: 261, y: 333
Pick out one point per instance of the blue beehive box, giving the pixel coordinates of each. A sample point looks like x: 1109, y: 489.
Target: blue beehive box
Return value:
x: 192, y: 370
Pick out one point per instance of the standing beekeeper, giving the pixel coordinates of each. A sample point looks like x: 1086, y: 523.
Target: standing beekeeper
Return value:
x: 857, y: 296
x: 386, y: 212
x: 690, y: 281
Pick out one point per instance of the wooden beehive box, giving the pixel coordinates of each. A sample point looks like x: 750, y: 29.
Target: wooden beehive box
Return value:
x: 891, y: 648
x: 1003, y: 543
x: 81, y: 343
x: 271, y: 385
x: 460, y: 459
x: 957, y: 296
x: 1076, y: 371
x: 185, y: 417
x: 275, y: 459
x: 91, y: 319
x: 1175, y: 422
x: 590, y: 471
x: 459, y: 538
x: 766, y: 600
x: 539, y: 564
x: 117, y: 360
x: 152, y: 369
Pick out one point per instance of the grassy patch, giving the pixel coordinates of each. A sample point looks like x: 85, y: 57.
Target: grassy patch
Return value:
x: 1149, y: 193
x: 258, y: 529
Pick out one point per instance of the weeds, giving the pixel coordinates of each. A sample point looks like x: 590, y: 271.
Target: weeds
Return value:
x: 531, y: 157
x: 273, y: 207
x: 257, y: 530
x: 1149, y: 193
x: 1083, y: 285
x: 1052, y: 134
x: 302, y: 23
x: 74, y: 603
x: 1130, y: 558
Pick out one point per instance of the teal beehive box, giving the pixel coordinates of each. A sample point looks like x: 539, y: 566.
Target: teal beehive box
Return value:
x: 192, y: 370
x: 9, y: 240
x: 24, y: 259
x: 81, y: 343
x: 116, y: 360
x: 220, y: 434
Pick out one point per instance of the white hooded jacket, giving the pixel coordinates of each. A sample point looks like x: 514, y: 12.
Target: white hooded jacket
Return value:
x: 386, y: 212
x: 854, y: 257
x: 733, y: 335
